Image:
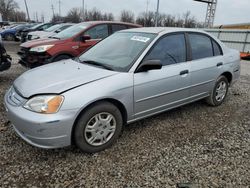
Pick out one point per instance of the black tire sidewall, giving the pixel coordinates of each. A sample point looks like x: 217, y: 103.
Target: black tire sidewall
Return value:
x: 79, y: 137
x: 220, y: 79
x: 11, y: 36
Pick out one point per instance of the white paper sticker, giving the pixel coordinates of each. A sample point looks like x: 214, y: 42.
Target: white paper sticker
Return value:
x: 141, y: 39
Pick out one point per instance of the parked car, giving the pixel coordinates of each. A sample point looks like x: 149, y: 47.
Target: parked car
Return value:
x: 39, y: 27
x: 48, y: 32
x: 126, y: 77
x: 5, y: 59
x: 69, y: 43
x: 10, y: 34
x: 18, y: 33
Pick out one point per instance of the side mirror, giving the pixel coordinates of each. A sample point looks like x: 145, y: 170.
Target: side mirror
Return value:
x: 149, y: 65
x: 85, y: 37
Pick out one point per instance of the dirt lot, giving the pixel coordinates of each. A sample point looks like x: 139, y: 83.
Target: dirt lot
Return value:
x: 195, y: 144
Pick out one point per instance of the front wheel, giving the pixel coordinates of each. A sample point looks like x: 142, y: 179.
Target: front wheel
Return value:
x: 219, y: 92
x: 9, y: 37
x: 98, y: 127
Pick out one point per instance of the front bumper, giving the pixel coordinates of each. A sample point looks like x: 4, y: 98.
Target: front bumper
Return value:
x: 41, y: 130
x: 33, y: 59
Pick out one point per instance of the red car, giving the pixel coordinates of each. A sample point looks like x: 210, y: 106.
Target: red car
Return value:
x: 69, y: 43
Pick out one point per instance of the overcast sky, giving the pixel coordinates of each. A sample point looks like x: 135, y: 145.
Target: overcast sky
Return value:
x: 228, y: 11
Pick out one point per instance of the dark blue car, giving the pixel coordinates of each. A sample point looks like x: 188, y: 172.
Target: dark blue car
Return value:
x: 10, y: 34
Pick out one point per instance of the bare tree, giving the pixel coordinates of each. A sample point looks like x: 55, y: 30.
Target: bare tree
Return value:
x: 169, y: 21
x: 56, y: 18
x: 189, y: 20
x: 93, y: 15
x: 7, y: 7
x: 127, y: 16
x: 146, y: 19
x: 74, y: 15
x: 17, y: 16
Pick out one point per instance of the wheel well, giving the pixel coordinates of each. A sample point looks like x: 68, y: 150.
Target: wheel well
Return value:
x: 117, y: 103
x: 229, y: 76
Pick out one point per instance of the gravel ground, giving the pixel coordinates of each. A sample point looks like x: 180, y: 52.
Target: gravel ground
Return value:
x: 195, y: 144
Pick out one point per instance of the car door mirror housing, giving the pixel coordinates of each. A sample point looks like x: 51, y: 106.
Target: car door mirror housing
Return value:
x: 149, y: 65
x: 84, y: 38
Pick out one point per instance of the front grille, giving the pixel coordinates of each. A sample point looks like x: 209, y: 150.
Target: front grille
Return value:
x: 14, y: 98
x: 23, y: 52
x: 29, y: 37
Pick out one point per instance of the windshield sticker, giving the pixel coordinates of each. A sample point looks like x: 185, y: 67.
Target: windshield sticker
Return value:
x: 141, y: 39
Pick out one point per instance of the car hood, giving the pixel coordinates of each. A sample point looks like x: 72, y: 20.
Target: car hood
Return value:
x: 58, y: 77
x: 41, y: 34
x: 40, y: 42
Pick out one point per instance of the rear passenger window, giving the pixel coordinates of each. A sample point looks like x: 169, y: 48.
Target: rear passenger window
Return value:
x: 98, y: 32
x: 117, y: 27
x: 217, y: 49
x: 201, y: 46
x: 170, y: 50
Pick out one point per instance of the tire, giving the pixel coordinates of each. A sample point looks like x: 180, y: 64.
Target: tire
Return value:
x: 9, y: 37
x: 89, y: 133
x: 61, y: 57
x: 216, y: 98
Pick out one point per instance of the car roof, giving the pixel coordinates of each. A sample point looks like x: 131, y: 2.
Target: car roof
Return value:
x: 163, y: 30
x: 109, y: 22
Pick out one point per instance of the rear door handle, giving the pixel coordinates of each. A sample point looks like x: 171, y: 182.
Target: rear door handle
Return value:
x: 184, y: 72
x: 219, y: 64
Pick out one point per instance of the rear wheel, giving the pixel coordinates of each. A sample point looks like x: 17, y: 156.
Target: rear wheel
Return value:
x: 219, y: 92
x: 98, y: 127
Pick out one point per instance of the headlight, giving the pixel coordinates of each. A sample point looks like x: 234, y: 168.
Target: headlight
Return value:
x: 41, y: 48
x: 47, y: 104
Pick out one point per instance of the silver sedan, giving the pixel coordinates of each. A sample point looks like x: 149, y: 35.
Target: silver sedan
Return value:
x: 128, y: 76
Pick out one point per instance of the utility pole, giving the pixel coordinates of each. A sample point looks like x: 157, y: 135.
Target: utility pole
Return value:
x: 157, y: 13
x: 53, y: 10
x: 83, y: 10
x: 27, y: 10
x: 145, y: 20
x: 59, y: 2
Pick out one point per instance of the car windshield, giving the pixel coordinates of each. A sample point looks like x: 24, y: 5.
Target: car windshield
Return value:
x: 71, y: 31
x: 53, y: 28
x: 36, y: 26
x: 119, y: 51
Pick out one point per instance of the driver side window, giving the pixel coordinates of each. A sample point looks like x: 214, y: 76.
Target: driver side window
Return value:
x: 169, y: 49
x: 98, y: 32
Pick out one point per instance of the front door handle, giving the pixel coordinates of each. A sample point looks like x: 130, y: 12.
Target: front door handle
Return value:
x: 184, y: 72
x: 219, y: 64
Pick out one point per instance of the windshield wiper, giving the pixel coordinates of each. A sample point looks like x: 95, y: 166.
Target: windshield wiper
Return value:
x: 54, y: 37
x: 97, y: 64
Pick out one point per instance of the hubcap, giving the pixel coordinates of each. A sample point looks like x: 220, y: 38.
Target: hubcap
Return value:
x: 221, y: 91
x: 100, y: 129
